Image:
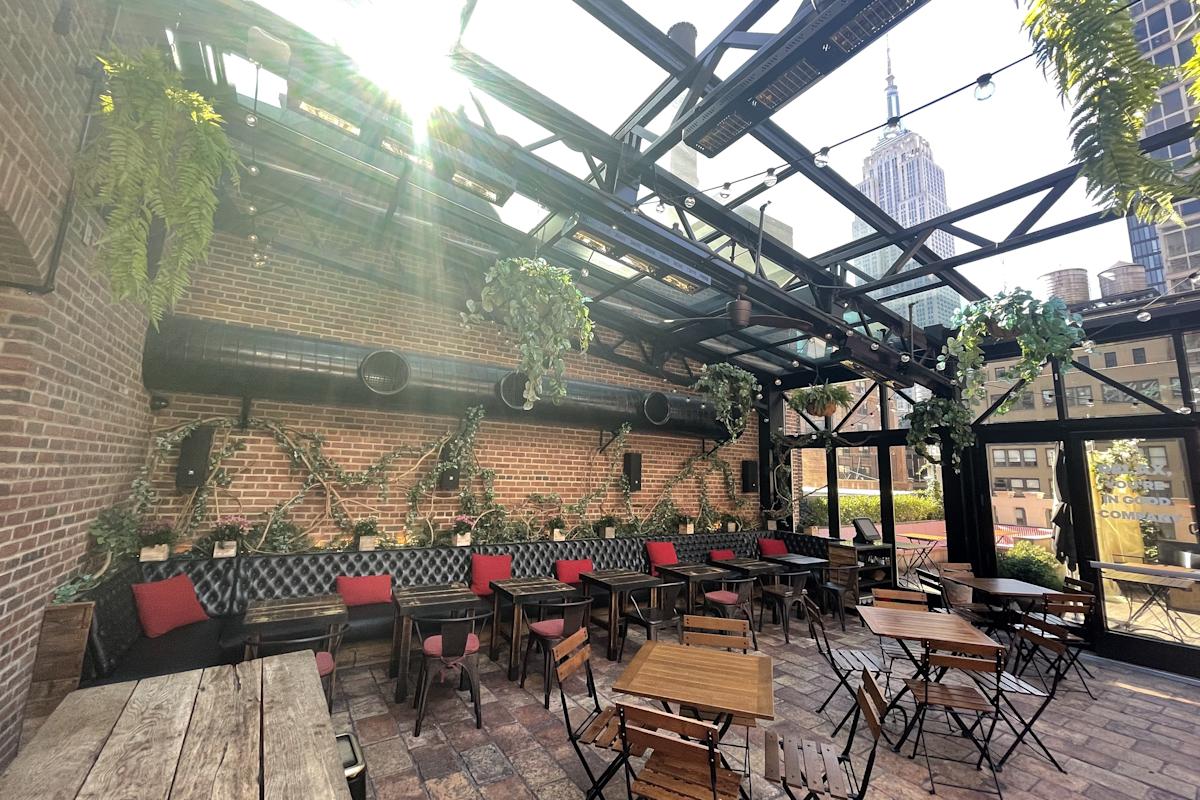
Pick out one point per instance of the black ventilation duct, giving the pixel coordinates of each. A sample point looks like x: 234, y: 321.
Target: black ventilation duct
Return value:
x: 209, y: 357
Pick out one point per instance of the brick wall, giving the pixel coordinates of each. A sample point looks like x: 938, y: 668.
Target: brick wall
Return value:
x: 73, y: 415
x: 295, y: 294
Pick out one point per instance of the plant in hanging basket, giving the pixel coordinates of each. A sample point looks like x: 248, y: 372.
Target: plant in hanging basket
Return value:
x: 156, y: 163
x: 820, y: 400
x: 937, y: 413
x: 730, y: 390
x: 541, y: 306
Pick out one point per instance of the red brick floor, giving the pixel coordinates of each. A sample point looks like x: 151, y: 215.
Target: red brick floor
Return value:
x: 1138, y: 740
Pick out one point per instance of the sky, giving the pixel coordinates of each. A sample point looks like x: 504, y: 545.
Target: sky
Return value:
x: 984, y: 147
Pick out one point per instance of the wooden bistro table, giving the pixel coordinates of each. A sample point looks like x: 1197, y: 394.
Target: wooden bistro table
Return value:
x: 749, y: 567
x: 618, y: 583
x: 723, y: 683
x: 412, y: 601
x: 519, y: 591
x: 323, y: 610
x: 693, y: 575
x: 1157, y: 580
x: 922, y: 546
x: 255, y: 731
x: 1004, y: 588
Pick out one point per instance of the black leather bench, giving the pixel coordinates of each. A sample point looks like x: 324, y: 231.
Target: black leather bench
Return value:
x: 118, y: 650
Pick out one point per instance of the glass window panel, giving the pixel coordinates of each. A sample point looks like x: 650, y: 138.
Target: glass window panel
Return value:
x: 1147, y: 366
x: 1022, y: 494
x: 1034, y: 401
x: 919, y: 509
x: 810, y: 487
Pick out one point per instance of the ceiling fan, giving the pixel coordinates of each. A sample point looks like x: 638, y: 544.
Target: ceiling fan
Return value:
x: 738, y: 314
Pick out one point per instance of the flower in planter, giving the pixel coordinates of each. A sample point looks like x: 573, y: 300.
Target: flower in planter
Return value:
x: 606, y: 526
x: 154, y: 532
x: 366, y: 528
x: 557, y: 526
x: 233, y: 527
x: 462, y: 524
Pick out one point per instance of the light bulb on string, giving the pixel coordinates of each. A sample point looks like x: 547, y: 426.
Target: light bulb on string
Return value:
x: 661, y: 207
x: 724, y: 193
x: 770, y: 180
x: 583, y: 273
x: 252, y: 170
x: 689, y: 201
x: 984, y: 86
x: 251, y: 120
x: 1144, y: 316
x: 821, y: 159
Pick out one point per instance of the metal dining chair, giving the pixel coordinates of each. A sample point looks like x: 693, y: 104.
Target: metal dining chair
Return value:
x: 324, y: 646
x: 730, y: 597
x: 654, y: 617
x: 784, y: 596
x: 454, y: 648
x: 567, y: 617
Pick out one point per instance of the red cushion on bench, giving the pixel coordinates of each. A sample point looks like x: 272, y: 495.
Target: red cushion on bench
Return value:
x: 772, y: 547
x: 485, y: 569
x: 660, y: 553
x: 720, y: 555
x: 165, y: 605
x: 568, y: 570
x: 365, y: 590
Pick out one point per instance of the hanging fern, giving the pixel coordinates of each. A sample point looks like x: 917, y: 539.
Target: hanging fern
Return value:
x: 159, y: 155
x: 1089, y: 48
x: 731, y: 391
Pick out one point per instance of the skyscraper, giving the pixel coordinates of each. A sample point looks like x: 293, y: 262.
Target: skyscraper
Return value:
x: 1169, y: 252
x: 902, y: 178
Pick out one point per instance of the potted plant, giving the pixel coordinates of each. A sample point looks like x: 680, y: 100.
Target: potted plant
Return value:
x: 460, y: 529
x: 821, y: 399
x: 227, y: 534
x: 156, y: 537
x: 367, y: 534
x: 927, y: 416
x: 606, y: 526
x: 684, y: 524
x: 731, y: 522
x: 731, y: 391
x: 557, y: 527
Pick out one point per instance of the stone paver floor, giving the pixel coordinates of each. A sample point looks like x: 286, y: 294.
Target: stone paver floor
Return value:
x: 1137, y: 740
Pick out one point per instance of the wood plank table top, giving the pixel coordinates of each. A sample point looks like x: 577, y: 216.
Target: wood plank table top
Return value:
x: 256, y: 731
x: 1156, y: 570
x: 620, y: 580
x: 1001, y: 587
x: 710, y: 680
x: 693, y: 572
x: 1149, y: 580
x: 322, y: 609
x: 915, y: 626
x: 749, y: 567
x: 439, y: 597
x: 923, y: 537
x: 797, y: 560
x: 523, y: 589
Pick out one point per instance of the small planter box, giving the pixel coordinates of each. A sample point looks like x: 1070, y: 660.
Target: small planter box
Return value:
x: 558, y: 535
x: 687, y: 528
x: 462, y: 539
x: 225, y: 549
x: 367, y: 543
x: 772, y: 525
x: 158, y: 552
x: 610, y: 533
x: 731, y: 527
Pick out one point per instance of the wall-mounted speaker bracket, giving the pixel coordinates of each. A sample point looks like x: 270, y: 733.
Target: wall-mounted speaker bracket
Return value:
x: 704, y: 447
x: 613, y: 434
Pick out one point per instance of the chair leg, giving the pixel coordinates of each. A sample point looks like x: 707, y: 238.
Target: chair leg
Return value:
x: 471, y: 669
x: 423, y: 698
x: 546, y: 675
x: 525, y: 661
x: 623, y: 633
x: 420, y: 682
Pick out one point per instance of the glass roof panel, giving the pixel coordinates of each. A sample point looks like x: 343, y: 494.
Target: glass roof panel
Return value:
x: 563, y: 52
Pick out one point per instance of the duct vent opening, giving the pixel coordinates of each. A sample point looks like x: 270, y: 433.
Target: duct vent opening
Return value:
x: 656, y: 408
x: 512, y: 390
x: 384, y: 372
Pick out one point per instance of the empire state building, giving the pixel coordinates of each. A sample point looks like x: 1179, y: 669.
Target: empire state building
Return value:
x: 901, y: 177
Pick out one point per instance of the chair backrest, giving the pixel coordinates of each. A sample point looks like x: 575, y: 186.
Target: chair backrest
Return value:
x: 259, y: 646
x: 716, y: 632
x: 668, y: 595
x: 902, y: 599
x: 571, y: 656
x: 956, y: 566
x: 1077, y: 585
x: 1032, y: 629
x: 795, y: 579
x: 816, y: 626
x: 455, y: 629
x: 872, y: 707
x: 574, y: 612
x: 865, y: 530
x: 978, y: 658
x: 680, y: 739
x: 1070, y: 603
x: 930, y: 583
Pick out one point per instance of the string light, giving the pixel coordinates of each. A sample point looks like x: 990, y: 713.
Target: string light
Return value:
x: 821, y: 159
x: 725, y: 191
x: 770, y: 180
x: 251, y: 120
x: 689, y: 201
x: 661, y: 207
x: 252, y: 170
x: 985, y: 87
x: 1144, y: 316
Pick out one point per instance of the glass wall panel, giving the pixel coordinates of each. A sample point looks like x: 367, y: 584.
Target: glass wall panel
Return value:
x: 1191, y: 348
x: 1144, y: 516
x: 1147, y: 366
x: 920, y: 512
x: 810, y: 488
x: 1034, y: 400
x: 1021, y: 477
x: 858, y: 487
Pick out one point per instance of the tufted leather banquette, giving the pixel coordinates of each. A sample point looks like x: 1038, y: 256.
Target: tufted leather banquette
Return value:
x: 118, y: 650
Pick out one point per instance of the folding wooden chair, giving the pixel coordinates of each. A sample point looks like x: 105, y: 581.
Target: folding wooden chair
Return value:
x: 1029, y: 635
x: 958, y: 701
x: 723, y: 632
x: 843, y: 661
x: 684, y: 761
x: 815, y: 768
x: 599, y: 727
x: 901, y: 599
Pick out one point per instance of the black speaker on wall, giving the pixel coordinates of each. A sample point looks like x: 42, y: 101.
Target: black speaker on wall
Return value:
x: 633, y: 471
x: 448, y: 480
x: 749, y: 476
x: 194, y: 450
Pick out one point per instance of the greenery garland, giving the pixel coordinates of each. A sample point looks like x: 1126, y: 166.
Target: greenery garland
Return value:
x: 157, y: 161
x: 541, y: 306
x: 1090, y: 47
x: 731, y: 391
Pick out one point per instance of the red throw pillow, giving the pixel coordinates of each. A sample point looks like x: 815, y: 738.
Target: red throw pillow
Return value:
x: 720, y: 555
x: 660, y: 553
x: 365, y: 590
x: 772, y: 547
x: 163, y: 606
x: 485, y: 569
x: 568, y: 570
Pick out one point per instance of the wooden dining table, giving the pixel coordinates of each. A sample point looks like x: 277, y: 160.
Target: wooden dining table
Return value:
x: 255, y: 731
x: 1006, y: 588
x: 518, y: 592
x: 618, y: 583
x: 412, y: 601
x: 717, y: 681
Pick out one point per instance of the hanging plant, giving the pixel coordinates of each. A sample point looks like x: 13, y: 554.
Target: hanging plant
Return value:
x: 950, y: 414
x: 731, y: 391
x: 820, y: 400
x: 156, y: 163
x: 541, y: 306
x: 1090, y: 48
x: 1043, y: 329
